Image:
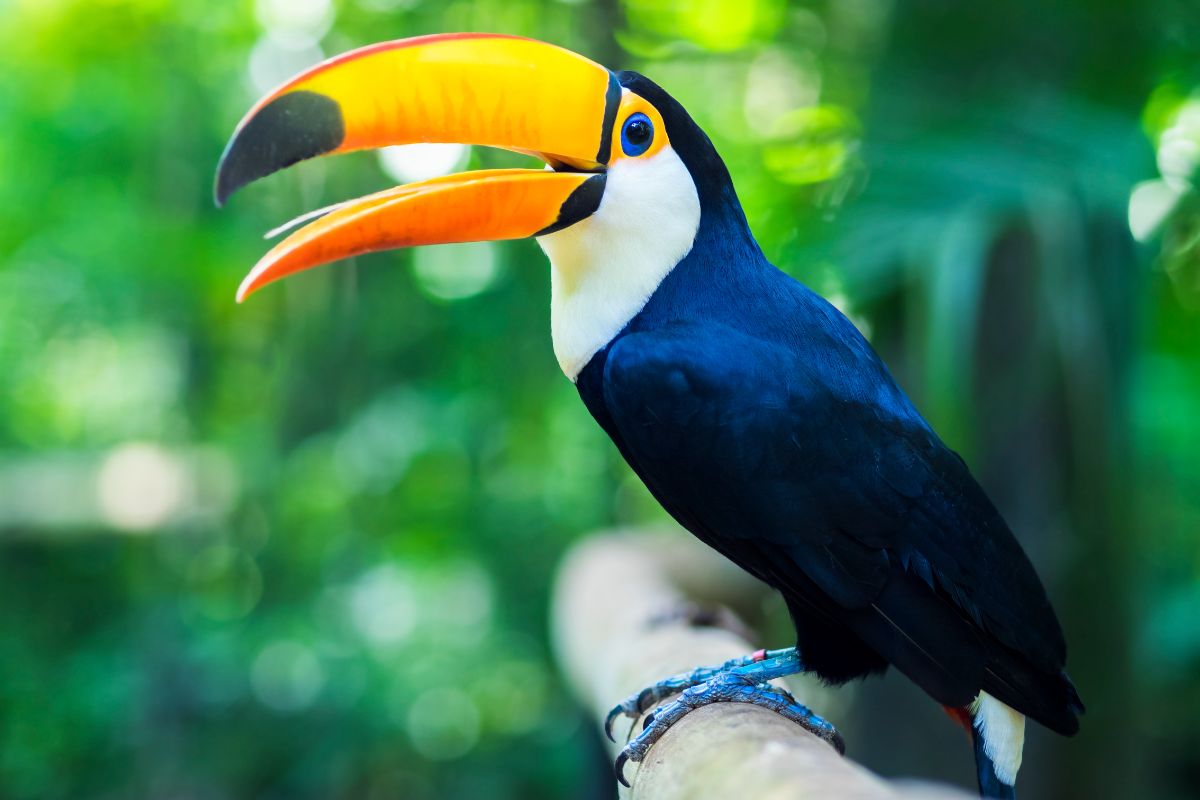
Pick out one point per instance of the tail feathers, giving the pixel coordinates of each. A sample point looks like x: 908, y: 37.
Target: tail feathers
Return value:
x: 990, y: 785
x: 998, y: 735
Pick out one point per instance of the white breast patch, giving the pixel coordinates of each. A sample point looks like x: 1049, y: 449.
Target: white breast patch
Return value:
x: 605, y: 267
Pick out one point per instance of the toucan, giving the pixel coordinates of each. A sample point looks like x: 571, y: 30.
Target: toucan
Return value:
x: 754, y: 411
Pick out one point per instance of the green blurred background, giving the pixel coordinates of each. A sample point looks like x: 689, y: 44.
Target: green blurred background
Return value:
x: 302, y: 547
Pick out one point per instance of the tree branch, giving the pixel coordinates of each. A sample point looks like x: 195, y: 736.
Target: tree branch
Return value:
x: 617, y: 628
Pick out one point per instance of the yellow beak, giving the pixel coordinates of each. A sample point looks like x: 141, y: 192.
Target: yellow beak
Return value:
x: 500, y: 91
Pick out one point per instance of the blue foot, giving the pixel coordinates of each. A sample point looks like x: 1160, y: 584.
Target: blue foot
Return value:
x: 768, y: 688
x: 743, y: 680
x: 639, y: 702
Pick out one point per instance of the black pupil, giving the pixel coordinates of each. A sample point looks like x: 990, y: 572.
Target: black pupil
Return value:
x: 638, y: 132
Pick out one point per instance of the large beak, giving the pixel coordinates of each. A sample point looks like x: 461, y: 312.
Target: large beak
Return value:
x: 500, y: 91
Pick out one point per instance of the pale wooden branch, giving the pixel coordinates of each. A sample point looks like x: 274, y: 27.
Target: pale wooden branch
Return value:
x: 616, y: 629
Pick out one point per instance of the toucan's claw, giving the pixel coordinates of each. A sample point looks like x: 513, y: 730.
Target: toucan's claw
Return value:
x: 627, y: 708
x: 729, y: 687
x: 619, y: 768
x: 740, y: 680
x: 636, y: 704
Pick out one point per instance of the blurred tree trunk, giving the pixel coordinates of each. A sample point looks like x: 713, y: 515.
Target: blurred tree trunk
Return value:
x: 1046, y: 430
x: 1011, y: 311
x: 1052, y: 425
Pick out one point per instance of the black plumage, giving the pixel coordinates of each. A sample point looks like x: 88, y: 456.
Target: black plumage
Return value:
x: 764, y: 422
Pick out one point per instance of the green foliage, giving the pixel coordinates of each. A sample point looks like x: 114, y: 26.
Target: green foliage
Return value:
x: 302, y: 547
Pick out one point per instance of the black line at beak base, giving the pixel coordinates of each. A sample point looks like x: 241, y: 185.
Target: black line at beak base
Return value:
x: 291, y: 128
x: 580, y: 204
x: 612, y: 101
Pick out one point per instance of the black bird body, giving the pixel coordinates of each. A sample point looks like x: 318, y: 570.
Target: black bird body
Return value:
x: 764, y: 422
x: 754, y: 411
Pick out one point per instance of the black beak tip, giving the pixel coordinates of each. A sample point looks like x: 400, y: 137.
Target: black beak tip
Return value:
x: 219, y: 193
x: 291, y: 128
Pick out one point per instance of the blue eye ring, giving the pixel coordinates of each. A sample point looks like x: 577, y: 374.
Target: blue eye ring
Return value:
x: 637, y: 134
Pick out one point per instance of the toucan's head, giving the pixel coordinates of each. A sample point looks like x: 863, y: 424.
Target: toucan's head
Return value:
x: 618, y: 206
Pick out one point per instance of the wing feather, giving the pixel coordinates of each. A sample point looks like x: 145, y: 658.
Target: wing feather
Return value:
x: 811, y: 465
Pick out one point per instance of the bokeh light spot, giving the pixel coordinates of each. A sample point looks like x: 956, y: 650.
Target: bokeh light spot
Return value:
x: 456, y: 271
x: 225, y: 583
x: 295, y: 23
x: 1150, y: 203
x: 418, y: 162
x: 286, y: 676
x: 443, y: 724
x: 272, y: 62
x: 382, y: 606
x: 141, y: 486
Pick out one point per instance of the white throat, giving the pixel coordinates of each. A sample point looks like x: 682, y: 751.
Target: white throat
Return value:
x: 604, y: 268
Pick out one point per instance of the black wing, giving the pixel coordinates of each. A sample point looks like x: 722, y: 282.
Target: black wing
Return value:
x: 809, y: 467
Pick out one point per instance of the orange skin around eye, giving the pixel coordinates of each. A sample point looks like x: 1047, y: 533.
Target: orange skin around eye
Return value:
x: 632, y: 104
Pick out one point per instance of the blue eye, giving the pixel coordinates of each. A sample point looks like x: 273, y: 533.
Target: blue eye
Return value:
x: 636, y: 134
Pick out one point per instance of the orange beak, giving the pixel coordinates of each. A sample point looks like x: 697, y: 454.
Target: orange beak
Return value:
x: 499, y: 91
